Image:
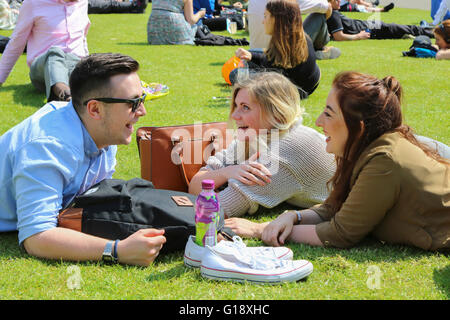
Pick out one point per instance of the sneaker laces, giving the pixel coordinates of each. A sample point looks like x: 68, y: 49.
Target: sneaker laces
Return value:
x: 237, y: 241
x: 258, y: 259
x: 265, y: 263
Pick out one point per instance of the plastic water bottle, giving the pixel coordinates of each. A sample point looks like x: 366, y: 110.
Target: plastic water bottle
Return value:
x: 242, y: 73
x: 206, y: 215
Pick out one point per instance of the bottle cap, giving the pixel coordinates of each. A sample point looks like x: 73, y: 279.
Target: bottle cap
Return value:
x: 208, y: 184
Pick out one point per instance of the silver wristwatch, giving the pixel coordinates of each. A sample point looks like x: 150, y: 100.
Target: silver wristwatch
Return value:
x: 108, y: 255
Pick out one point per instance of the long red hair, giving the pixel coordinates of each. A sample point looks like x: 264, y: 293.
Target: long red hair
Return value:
x: 377, y: 103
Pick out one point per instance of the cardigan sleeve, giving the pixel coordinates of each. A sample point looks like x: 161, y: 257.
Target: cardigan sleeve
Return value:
x: 374, y: 192
x: 238, y: 198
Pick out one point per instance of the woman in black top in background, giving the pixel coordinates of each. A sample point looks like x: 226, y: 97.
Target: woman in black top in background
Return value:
x: 290, y: 51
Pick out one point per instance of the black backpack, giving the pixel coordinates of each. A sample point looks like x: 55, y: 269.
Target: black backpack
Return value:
x: 3, y: 42
x: 204, y: 37
x: 115, y: 209
x: 421, y: 48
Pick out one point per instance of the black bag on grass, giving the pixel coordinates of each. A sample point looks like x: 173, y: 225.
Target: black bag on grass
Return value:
x: 421, y: 48
x: 115, y: 209
x: 204, y: 37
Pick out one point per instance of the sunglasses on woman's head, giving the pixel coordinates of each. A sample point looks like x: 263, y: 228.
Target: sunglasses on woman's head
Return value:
x: 135, y: 103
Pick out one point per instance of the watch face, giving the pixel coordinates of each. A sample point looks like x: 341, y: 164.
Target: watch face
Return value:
x: 107, y: 253
x: 107, y: 258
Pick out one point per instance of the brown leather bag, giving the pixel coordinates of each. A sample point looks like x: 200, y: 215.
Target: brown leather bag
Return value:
x: 170, y: 156
x: 70, y: 218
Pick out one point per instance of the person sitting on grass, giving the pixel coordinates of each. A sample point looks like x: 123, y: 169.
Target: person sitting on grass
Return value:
x: 343, y: 28
x: 442, y: 35
x: 55, y: 34
x: 290, y: 51
x: 314, y: 25
x: 173, y: 22
x: 274, y: 158
x: 64, y: 149
x: 363, y: 6
x: 386, y: 184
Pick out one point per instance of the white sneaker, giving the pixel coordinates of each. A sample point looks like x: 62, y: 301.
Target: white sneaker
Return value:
x: 259, y: 269
x: 193, y: 253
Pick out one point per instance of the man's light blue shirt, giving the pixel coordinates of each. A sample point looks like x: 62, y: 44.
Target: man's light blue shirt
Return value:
x: 45, y: 161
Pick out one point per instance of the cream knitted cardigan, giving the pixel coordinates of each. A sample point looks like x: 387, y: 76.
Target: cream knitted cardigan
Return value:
x: 299, y: 177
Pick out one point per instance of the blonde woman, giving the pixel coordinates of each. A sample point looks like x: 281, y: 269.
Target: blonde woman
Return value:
x: 290, y: 51
x: 273, y: 158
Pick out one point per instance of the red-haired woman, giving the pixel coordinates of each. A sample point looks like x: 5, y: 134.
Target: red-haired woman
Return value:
x: 386, y: 184
x: 290, y: 51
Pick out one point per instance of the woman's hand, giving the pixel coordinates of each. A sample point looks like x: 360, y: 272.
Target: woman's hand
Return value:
x: 245, y: 228
x: 237, y: 5
x: 249, y: 173
x: 243, y: 54
x: 276, y: 232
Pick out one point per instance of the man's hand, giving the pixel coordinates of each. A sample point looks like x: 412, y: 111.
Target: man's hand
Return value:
x: 363, y: 35
x: 141, y: 248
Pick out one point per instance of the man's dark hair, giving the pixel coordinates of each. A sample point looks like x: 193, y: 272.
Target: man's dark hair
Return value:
x: 91, y: 76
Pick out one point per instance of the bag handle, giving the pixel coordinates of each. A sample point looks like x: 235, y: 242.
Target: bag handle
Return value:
x: 177, y: 151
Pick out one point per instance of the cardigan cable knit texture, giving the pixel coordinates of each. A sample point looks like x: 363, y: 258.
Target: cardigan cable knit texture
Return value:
x: 300, y: 169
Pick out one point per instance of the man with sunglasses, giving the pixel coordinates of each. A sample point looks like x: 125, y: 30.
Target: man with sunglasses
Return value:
x: 65, y: 148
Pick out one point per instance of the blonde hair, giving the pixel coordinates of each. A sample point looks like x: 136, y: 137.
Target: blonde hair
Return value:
x: 278, y: 97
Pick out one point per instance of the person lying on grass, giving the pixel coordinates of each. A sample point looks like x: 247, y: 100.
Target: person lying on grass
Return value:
x: 274, y: 158
x: 386, y: 184
x: 442, y: 35
x: 65, y: 148
x: 343, y: 28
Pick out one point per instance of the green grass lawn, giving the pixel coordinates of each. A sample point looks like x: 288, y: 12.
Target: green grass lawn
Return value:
x: 368, y: 271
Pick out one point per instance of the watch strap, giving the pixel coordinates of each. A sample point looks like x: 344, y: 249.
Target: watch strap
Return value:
x: 108, y: 255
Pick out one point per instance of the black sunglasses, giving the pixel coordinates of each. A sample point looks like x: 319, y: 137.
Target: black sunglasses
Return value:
x: 135, y: 103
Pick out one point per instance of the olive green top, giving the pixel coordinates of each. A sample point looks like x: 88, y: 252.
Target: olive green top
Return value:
x: 398, y: 194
